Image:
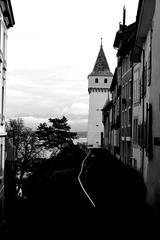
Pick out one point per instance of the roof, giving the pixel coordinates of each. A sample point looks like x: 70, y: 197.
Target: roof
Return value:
x: 119, y: 36
x: 144, y: 17
x: 101, y: 67
x: 127, y: 40
x: 6, y: 8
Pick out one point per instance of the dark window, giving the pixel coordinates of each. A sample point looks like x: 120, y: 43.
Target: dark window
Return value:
x: 1, y: 158
x: 145, y: 80
x: 2, y: 105
x: 105, y: 80
x: 130, y: 116
x: 149, y: 131
x: 135, y: 131
x: 135, y: 163
x: 149, y: 67
x: 96, y: 80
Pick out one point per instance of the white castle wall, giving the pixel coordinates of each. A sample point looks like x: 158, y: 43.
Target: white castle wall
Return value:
x: 99, y: 93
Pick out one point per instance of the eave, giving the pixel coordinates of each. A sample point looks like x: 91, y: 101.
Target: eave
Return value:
x: 114, y: 81
x: 143, y: 21
x: 118, y: 38
x: 7, y: 11
x: 128, y: 40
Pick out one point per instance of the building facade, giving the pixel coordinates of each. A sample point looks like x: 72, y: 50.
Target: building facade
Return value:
x: 121, y: 89
x: 138, y: 53
x: 6, y: 21
x: 147, y: 38
x: 123, y: 43
x: 107, y: 122
x: 145, y: 54
x: 98, y: 87
x: 137, y: 118
x: 114, y: 115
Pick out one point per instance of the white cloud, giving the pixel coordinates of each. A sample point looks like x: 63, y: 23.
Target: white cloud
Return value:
x: 79, y: 108
x: 16, y: 93
x: 50, y: 53
x: 39, y: 91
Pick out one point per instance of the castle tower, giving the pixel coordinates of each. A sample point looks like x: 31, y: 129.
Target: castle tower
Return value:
x: 99, y: 82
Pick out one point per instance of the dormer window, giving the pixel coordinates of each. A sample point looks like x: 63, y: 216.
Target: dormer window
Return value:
x: 105, y: 80
x: 96, y: 80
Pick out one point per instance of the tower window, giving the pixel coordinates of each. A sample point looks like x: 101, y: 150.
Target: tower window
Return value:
x: 96, y: 80
x: 105, y: 80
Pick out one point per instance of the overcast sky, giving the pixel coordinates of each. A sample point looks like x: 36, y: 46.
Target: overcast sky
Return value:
x: 52, y: 48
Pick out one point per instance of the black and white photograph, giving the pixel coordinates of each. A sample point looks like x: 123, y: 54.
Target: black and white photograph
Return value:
x: 79, y: 119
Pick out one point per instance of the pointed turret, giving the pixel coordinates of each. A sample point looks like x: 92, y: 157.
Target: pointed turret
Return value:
x: 101, y: 67
x: 99, y: 82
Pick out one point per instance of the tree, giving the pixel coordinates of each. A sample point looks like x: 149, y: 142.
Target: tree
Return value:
x: 26, y: 144
x: 14, y: 128
x: 24, y: 139
x: 57, y: 134
x: 28, y: 148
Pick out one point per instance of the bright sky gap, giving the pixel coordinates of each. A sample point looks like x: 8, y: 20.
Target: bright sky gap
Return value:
x: 51, y: 53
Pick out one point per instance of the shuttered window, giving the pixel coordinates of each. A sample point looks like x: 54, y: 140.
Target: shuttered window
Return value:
x: 135, y: 131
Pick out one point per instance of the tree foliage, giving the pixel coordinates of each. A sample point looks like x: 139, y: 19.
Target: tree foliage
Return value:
x: 25, y: 141
x: 14, y: 128
x: 27, y: 148
x: 56, y: 134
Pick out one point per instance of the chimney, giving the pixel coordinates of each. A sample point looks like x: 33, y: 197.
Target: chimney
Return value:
x: 124, y: 15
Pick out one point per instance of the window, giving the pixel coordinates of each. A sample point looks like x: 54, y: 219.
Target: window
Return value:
x: 123, y: 91
x: 122, y: 119
x: 0, y: 35
x: 134, y: 163
x: 145, y: 80
x: 126, y: 118
x: 126, y: 91
x: 4, y: 44
x: 130, y: 117
x: 149, y: 67
x: 105, y: 80
x: 1, y: 152
x: 2, y: 105
x: 135, y: 131
x: 136, y: 86
x: 130, y: 89
x: 96, y: 80
x: 149, y: 131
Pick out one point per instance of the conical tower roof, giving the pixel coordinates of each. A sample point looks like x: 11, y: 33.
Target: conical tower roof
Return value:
x: 101, y: 67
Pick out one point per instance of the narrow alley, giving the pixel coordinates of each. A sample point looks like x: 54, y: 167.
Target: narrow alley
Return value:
x: 58, y: 202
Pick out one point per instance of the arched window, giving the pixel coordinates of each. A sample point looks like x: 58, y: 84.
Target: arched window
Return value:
x: 105, y: 80
x: 96, y: 80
